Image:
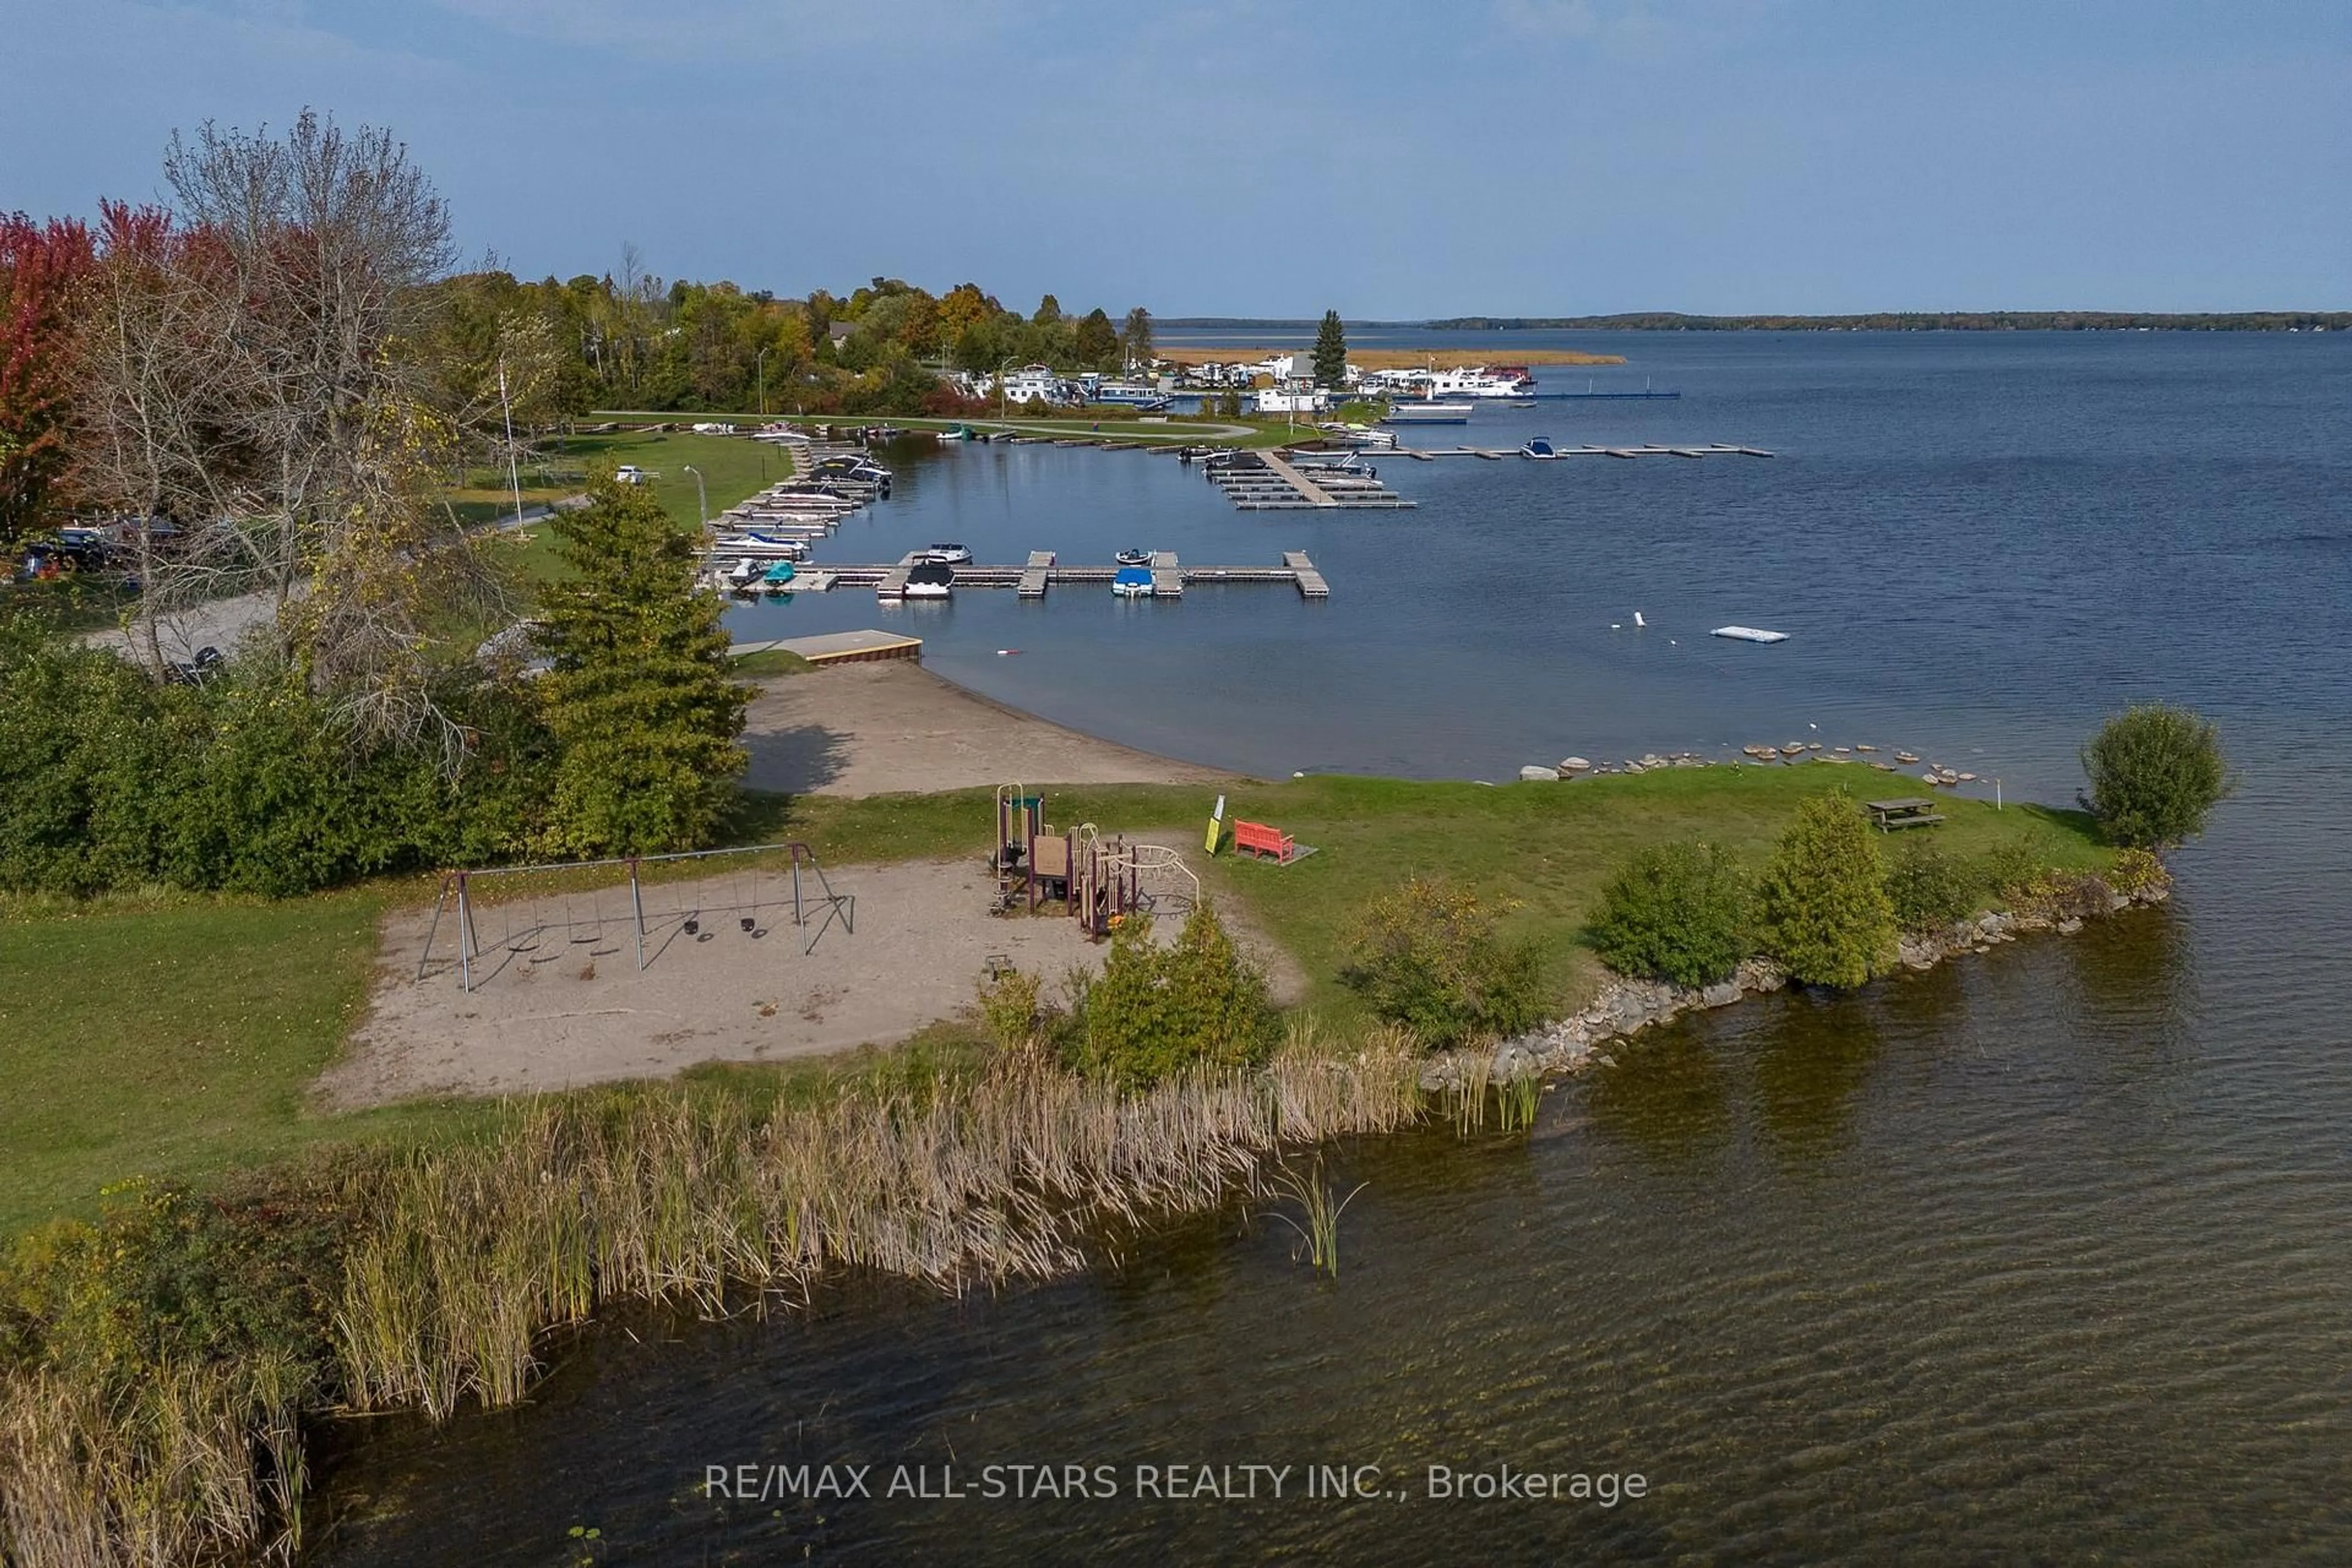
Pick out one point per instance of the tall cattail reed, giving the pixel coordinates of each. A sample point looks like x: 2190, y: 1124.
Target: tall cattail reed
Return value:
x: 476, y: 1252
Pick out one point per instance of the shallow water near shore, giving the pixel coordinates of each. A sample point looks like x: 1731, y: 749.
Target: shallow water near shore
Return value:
x: 2037, y: 1256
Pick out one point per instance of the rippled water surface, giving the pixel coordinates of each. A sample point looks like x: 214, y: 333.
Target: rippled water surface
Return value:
x: 2040, y: 1256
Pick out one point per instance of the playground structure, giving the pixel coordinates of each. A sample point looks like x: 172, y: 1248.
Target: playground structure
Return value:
x: 1099, y: 882
x: 542, y: 940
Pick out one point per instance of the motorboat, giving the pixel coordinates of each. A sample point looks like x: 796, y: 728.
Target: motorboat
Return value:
x: 1133, y: 558
x: 946, y: 555
x: 1750, y: 634
x: 778, y: 577
x: 1132, y: 583
x: 1426, y: 411
x: 931, y: 580
x: 956, y: 433
x: 744, y: 573
x: 1540, y: 448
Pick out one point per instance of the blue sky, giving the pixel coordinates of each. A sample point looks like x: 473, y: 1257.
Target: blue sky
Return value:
x: 1393, y: 158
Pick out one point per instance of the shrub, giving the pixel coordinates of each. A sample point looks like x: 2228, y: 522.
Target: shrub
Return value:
x: 2137, y: 872
x: 2156, y: 774
x: 1012, y: 1008
x: 1426, y: 956
x: 1677, y: 912
x: 1931, y: 890
x: 245, y: 783
x: 1823, y: 900
x: 1157, y: 1011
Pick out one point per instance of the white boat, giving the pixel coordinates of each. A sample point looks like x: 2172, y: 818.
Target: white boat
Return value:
x: 745, y: 572
x: 1135, y: 394
x: 1426, y: 411
x: 945, y: 555
x: 1477, y: 381
x: 1131, y: 583
x: 1748, y: 634
x: 1540, y: 448
x: 1132, y: 558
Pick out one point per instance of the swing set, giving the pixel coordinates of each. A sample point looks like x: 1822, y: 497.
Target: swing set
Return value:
x: 541, y: 938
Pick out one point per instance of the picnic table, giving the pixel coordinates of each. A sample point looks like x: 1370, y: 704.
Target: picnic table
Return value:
x: 1911, y: 811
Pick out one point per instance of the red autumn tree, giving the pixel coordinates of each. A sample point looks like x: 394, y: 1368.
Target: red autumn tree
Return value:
x: 41, y: 266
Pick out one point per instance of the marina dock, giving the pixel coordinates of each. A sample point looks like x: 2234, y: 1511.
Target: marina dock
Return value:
x: 1647, y: 449
x: 1043, y: 571
x: 1266, y: 482
x: 1033, y: 583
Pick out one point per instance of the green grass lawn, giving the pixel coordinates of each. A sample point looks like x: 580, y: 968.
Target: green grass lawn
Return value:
x: 733, y: 468
x: 178, y: 1037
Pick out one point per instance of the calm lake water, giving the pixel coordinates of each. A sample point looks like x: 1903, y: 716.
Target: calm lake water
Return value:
x: 2040, y: 1257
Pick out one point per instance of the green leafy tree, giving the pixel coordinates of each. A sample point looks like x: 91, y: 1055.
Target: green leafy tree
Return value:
x: 1096, y: 343
x: 1677, y: 912
x: 1427, y: 956
x: 1331, y: 351
x: 639, y: 693
x: 1156, y: 1011
x: 1825, y: 911
x: 1135, y: 337
x: 2156, y: 774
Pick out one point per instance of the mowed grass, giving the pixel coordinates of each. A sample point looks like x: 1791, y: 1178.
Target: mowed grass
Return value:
x: 733, y: 468
x: 176, y: 1038
x: 1538, y: 854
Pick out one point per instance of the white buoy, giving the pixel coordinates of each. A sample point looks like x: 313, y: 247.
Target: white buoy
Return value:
x: 1638, y: 620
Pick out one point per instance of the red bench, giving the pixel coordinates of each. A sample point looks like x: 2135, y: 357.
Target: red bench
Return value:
x: 1256, y: 839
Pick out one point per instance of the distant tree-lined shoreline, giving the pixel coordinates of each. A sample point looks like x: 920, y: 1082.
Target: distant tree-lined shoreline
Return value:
x: 1867, y: 322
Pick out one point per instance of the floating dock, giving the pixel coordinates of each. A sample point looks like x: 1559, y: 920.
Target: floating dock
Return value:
x: 1044, y: 571
x: 1647, y: 449
x: 1266, y: 482
x: 1033, y: 583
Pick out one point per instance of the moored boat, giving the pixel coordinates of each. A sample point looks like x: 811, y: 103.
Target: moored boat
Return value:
x: 1132, y: 583
x: 1132, y: 558
x: 931, y: 580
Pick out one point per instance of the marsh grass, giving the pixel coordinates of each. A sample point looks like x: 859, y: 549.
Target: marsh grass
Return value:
x: 1319, y: 1208
x: 457, y: 1264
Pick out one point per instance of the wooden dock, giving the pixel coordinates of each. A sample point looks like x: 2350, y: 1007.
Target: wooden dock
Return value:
x: 1310, y: 582
x: 1033, y: 576
x: 840, y: 647
x: 1266, y: 482
x: 1043, y: 571
x: 1648, y: 449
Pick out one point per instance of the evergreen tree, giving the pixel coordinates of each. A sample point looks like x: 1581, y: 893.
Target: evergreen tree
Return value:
x: 1331, y: 351
x: 1049, y: 311
x: 1823, y: 899
x: 638, y: 692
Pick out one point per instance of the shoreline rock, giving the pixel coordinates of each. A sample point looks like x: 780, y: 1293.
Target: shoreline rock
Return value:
x: 1624, y: 1005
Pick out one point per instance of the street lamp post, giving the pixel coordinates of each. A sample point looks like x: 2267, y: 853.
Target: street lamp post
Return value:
x: 999, y: 387
x: 701, y: 496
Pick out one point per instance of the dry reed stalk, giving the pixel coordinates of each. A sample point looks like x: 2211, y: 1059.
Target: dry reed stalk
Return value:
x: 485, y: 1249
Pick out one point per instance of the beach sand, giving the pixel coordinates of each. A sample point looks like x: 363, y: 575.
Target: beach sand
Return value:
x: 559, y: 1000
x: 893, y: 726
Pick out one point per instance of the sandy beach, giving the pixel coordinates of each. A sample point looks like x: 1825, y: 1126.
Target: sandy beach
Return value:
x: 559, y: 1000
x: 891, y: 727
